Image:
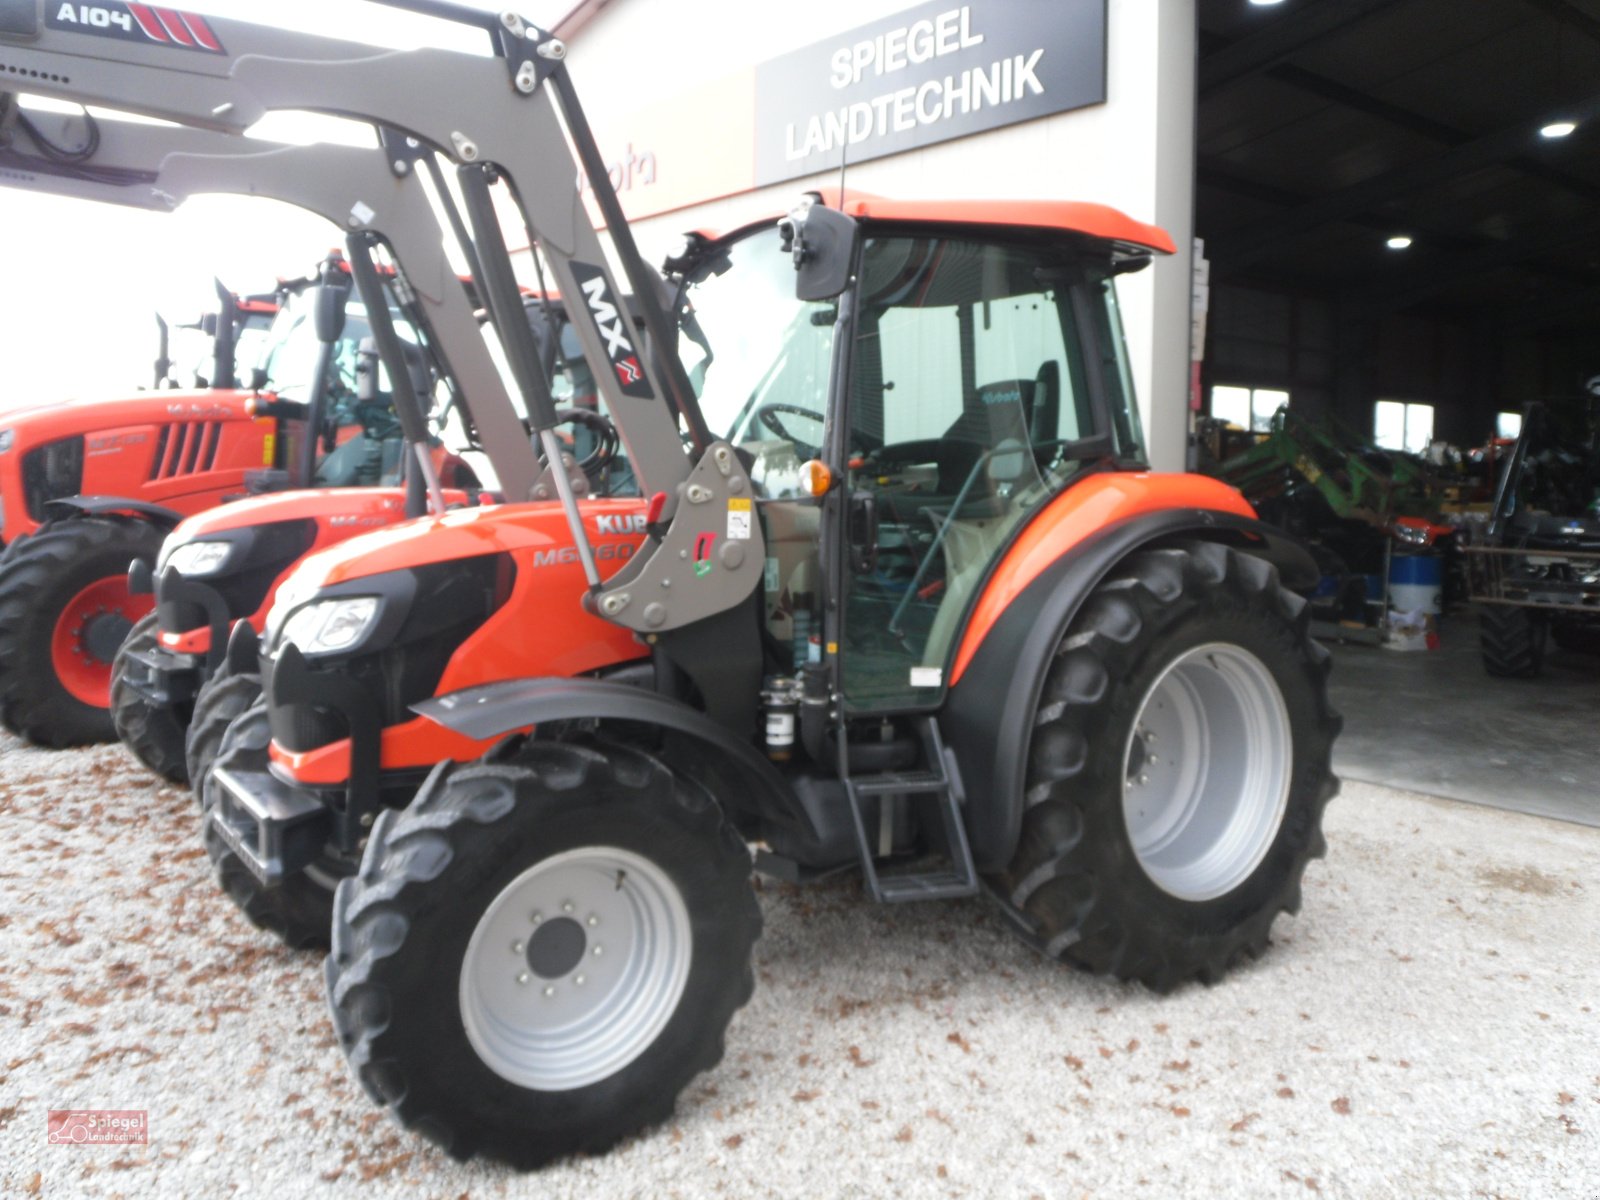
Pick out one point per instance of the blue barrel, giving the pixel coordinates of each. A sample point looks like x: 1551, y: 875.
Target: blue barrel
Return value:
x: 1416, y: 581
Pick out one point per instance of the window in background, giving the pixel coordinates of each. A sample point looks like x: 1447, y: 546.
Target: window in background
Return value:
x: 1248, y: 408
x: 1508, y: 425
x: 1401, y: 425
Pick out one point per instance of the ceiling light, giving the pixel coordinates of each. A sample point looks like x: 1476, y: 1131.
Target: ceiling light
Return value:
x: 1265, y: 3
x: 1558, y: 129
x: 1399, y: 241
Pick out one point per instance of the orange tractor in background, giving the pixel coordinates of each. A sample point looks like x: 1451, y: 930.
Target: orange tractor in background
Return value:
x: 86, y: 487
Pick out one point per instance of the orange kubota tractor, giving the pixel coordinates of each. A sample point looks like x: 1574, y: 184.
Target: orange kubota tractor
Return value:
x: 87, y: 487
x: 223, y: 565
x: 903, y: 597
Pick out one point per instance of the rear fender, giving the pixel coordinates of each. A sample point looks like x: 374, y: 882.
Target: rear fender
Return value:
x: 733, y: 770
x: 988, y: 714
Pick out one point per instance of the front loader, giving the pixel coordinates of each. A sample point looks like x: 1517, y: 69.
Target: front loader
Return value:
x: 88, y: 487
x: 223, y: 566
x: 901, y: 597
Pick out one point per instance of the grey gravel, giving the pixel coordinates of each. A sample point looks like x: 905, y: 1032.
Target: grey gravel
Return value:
x: 1426, y: 1027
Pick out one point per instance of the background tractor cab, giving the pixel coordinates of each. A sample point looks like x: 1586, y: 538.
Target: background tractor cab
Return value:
x: 207, y: 351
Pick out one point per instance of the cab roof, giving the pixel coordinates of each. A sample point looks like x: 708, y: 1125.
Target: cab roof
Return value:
x: 1129, y: 238
x: 1072, y: 216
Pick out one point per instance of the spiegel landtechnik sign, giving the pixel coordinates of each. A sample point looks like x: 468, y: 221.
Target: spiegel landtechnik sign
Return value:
x: 923, y: 76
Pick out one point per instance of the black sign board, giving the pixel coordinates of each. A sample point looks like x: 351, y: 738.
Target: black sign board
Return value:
x: 926, y: 75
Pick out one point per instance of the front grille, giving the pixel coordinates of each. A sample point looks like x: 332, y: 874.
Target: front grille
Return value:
x: 51, y: 472
x: 184, y: 448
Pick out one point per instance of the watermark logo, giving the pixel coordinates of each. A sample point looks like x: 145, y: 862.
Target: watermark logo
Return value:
x: 99, y: 1127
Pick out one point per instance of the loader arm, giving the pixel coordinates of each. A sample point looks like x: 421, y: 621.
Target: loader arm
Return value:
x: 157, y: 167
x: 488, y: 117
x: 497, y: 119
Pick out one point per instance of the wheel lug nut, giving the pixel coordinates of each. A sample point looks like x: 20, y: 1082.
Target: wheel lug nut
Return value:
x: 536, y: 918
x: 516, y: 947
x: 1144, y: 779
x: 578, y: 979
x: 522, y: 978
x: 567, y: 907
x: 594, y: 920
x: 549, y: 991
x: 597, y: 951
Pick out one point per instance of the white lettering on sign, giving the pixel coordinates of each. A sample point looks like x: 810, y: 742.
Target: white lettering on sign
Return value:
x: 100, y: 18
x: 915, y: 43
x: 1003, y: 82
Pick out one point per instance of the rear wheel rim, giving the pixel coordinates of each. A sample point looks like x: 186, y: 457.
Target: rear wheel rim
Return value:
x: 575, y: 968
x: 87, y: 633
x: 1209, y: 762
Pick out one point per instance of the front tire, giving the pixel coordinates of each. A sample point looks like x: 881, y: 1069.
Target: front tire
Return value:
x: 298, y: 911
x: 65, y: 608
x: 222, y: 699
x: 1177, y: 772
x: 154, y: 732
x: 537, y: 956
x: 1512, y: 640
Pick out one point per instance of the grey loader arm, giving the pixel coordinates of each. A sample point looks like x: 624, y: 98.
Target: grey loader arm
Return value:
x: 158, y: 167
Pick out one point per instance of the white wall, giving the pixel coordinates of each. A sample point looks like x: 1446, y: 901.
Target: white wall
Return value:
x: 1135, y: 152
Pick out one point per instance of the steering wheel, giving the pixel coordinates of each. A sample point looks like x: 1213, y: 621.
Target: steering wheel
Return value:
x: 768, y: 413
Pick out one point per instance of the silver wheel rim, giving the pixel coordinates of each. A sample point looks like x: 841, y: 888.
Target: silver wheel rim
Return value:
x: 1209, y: 761
x: 575, y: 968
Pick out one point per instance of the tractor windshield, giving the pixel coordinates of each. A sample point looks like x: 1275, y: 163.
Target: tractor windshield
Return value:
x: 289, y: 352
x: 759, y: 359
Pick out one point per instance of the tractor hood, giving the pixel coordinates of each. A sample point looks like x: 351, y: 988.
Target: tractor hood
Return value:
x: 34, y: 424
x: 356, y: 507
x: 536, y: 533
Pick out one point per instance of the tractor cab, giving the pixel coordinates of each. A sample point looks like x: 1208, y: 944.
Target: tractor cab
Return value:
x: 985, y: 371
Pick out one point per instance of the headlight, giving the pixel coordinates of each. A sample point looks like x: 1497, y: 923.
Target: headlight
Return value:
x: 1414, y: 535
x: 330, y: 625
x: 7, y: 436
x: 200, y: 558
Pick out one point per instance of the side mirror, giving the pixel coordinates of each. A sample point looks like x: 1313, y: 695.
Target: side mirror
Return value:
x: 329, y: 312
x: 823, y: 243
x: 258, y: 379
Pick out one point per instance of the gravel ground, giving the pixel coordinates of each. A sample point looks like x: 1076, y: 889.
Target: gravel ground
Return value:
x: 1427, y: 1027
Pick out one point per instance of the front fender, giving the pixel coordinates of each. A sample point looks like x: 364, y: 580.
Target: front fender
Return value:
x: 734, y: 771
x: 988, y: 715
x: 164, y: 519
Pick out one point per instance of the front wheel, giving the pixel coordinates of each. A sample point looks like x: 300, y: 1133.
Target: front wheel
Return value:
x: 1177, y: 773
x: 154, y: 732
x: 537, y: 956
x: 65, y: 608
x: 1512, y: 640
x: 221, y: 700
x: 298, y: 911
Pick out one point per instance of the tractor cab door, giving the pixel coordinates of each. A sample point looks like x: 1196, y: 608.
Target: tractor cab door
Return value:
x: 969, y: 394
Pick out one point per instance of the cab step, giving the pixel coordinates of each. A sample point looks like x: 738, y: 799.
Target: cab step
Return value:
x: 949, y: 875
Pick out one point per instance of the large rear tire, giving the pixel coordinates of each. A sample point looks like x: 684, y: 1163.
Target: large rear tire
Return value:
x: 154, y: 732
x: 65, y: 608
x: 1512, y: 640
x: 221, y: 700
x: 1177, y: 771
x: 537, y: 956
x: 298, y: 911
